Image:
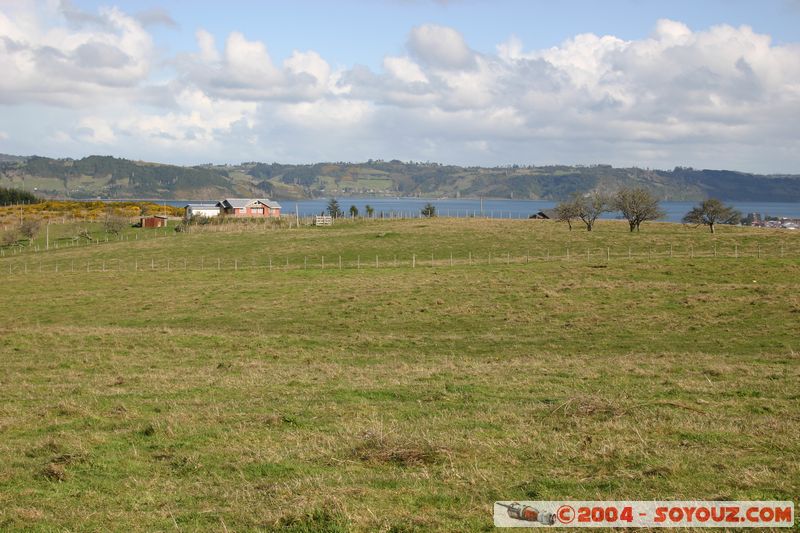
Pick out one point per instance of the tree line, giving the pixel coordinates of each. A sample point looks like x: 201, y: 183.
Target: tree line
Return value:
x: 17, y: 196
x: 638, y: 206
x: 335, y: 211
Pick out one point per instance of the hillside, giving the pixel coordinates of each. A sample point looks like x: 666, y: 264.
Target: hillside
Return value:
x: 109, y: 177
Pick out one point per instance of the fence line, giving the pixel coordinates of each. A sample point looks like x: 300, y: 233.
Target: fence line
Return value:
x: 601, y: 256
x: 239, y: 226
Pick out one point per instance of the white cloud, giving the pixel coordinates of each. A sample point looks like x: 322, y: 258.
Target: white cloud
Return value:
x: 330, y: 114
x: 311, y: 68
x: 156, y: 16
x: 96, y: 130
x: 207, y: 45
x: 440, y: 47
x: 678, y: 96
x: 84, y: 58
x: 3, y: 136
x: 404, y: 69
x: 245, y: 71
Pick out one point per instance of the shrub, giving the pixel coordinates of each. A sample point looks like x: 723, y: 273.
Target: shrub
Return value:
x: 115, y: 224
x: 30, y: 227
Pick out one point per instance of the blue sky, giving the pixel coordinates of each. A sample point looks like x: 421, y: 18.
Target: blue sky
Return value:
x: 627, y: 82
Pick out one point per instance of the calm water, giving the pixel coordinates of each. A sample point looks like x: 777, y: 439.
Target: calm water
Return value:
x: 410, y: 207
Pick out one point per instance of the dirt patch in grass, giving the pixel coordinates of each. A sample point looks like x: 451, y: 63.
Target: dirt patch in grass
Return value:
x: 589, y: 406
x: 380, y: 447
x: 54, y: 472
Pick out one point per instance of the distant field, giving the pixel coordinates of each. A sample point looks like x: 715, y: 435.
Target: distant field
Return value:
x: 220, y: 394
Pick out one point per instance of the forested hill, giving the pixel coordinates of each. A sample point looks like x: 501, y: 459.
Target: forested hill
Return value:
x: 110, y: 177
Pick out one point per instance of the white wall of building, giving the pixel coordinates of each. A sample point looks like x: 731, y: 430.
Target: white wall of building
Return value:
x: 203, y: 212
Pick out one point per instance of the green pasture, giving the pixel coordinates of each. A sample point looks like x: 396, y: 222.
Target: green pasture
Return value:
x: 187, y: 386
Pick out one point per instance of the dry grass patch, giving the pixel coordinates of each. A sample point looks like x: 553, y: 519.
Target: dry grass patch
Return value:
x: 381, y: 447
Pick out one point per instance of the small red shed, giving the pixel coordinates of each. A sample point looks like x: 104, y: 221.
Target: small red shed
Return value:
x: 157, y: 221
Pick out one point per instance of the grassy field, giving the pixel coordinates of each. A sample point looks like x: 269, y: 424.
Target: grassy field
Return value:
x: 394, y: 398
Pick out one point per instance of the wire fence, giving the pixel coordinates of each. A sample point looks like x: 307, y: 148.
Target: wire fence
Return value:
x: 277, y: 263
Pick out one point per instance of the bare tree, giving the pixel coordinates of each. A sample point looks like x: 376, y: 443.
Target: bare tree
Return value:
x: 567, y: 212
x: 637, y: 206
x: 711, y: 212
x: 591, y: 206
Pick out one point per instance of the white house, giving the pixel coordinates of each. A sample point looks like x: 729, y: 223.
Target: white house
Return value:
x: 202, y: 210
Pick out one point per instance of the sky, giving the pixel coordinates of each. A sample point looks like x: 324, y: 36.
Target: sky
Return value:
x: 657, y: 84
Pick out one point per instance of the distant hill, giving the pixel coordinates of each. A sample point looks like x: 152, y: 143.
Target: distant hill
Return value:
x: 5, y: 158
x: 110, y: 177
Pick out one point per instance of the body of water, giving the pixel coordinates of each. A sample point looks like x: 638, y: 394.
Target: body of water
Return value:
x: 495, y: 208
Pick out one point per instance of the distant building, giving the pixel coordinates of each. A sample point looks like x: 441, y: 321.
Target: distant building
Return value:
x: 545, y: 214
x: 202, y: 210
x: 753, y: 219
x: 249, y: 207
